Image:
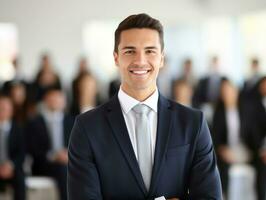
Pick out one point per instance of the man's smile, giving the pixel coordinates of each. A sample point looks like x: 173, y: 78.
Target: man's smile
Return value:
x: 140, y: 71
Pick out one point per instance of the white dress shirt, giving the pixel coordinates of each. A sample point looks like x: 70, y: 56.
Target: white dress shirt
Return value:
x: 233, y: 126
x: 54, y: 122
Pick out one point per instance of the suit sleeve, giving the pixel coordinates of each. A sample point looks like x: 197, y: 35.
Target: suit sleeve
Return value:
x: 83, y: 179
x: 204, y: 180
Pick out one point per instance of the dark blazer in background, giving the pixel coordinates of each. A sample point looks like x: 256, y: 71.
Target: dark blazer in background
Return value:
x: 16, y: 153
x: 201, y: 94
x: 219, y: 127
x: 114, y: 87
x: 257, y: 133
x: 220, y: 138
x: 102, y: 162
x: 39, y: 142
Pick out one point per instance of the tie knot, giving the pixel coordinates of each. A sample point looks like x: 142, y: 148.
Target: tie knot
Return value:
x: 141, y: 109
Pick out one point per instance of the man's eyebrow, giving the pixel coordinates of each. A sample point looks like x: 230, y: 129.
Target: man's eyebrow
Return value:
x: 128, y: 47
x: 151, y: 47
x: 132, y: 47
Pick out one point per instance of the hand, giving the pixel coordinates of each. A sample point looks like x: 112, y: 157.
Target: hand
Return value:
x: 6, y: 170
x: 61, y: 157
x: 227, y: 154
x: 263, y: 155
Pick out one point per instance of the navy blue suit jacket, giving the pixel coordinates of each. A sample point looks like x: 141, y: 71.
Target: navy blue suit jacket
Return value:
x: 102, y: 163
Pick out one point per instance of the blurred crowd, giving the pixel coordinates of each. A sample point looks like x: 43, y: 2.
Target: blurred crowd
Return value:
x: 36, y: 119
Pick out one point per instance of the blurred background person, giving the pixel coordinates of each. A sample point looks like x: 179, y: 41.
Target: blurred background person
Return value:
x: 164, y: 79
x: 18, y: 95
x: 228, y: 132
x: 257, y: 132
x: 47, y: 139
x: 207, y: 90
x: 186, y: 74
x: 182, y: 92
x: 83, y: 68
x: 249, y: 89
x: 12, y: 150
x: 114, y: 86
x: 255, y: 75
x: 45, y: 79
x: 86, y: 95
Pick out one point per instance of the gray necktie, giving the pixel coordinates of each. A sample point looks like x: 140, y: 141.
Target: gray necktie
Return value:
x: 3, y: 146
x: 143, y: 135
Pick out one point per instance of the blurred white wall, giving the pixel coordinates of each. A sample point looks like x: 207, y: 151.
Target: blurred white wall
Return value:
x: 56, y: 25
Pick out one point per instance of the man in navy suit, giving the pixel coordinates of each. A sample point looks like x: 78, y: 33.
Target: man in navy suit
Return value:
x: 175, y: 157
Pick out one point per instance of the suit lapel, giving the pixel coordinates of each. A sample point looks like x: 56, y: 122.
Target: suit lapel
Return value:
x: 163, y: 133
x: 118, y: 125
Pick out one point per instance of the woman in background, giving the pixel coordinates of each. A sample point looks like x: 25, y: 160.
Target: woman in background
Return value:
x: 228, y: 131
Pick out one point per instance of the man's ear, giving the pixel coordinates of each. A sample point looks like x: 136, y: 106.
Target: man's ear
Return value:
x: 115, y: 54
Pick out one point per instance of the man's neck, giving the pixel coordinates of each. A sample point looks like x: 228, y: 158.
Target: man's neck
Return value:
x: 140, y: 95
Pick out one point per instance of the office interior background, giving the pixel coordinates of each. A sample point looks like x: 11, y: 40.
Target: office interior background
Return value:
x: 196, y: 29
x: 199, y: 30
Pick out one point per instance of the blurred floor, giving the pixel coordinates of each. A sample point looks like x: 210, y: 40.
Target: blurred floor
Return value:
x: 39, y: 188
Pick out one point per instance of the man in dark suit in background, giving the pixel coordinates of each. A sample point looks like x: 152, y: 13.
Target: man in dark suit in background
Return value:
x: 11, y: 150
x: 140, y: 145
x: 207, y: 90
x: 48, y: 136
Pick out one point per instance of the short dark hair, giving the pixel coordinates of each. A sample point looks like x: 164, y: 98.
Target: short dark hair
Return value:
x: 138, y: 21
x: 50, y: 90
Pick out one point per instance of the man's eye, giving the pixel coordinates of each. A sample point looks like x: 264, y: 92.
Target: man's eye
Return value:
x: 129, y: 52
x: 151, y: 52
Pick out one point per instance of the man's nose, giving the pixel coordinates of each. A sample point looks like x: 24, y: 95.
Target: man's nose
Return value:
x: 140, y: 59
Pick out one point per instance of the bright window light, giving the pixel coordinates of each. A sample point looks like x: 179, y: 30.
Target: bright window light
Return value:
x: 98, y: 38
x: 8, y: 50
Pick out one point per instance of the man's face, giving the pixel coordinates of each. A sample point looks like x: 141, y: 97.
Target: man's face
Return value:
x: 139, y: 59
x: 55, y: 101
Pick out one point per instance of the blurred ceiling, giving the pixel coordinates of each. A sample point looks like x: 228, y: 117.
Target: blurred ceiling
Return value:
x: 172, y: 10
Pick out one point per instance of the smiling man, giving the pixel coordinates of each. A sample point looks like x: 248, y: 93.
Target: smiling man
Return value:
x: 140, y: 145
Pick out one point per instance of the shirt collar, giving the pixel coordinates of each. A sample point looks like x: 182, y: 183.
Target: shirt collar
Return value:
x: 127, y: 102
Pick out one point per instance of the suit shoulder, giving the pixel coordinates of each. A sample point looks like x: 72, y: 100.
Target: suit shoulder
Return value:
x: 185, y: 111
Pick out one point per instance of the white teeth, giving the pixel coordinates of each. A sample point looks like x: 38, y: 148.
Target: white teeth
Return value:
x: 140, y: 72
